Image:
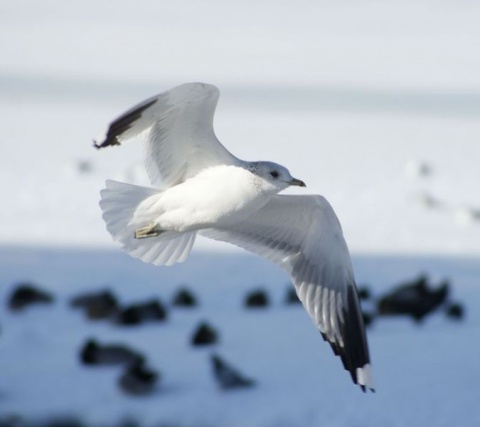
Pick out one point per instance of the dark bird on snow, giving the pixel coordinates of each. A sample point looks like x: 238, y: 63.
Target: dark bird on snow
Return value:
x: 204, y: 334
x: 26, y: 294
x: 184, y: 298
x: 148, y: 311
x: 256, y: 299
x: 415, y: 299
x: 94, y: 353
x: 228, y: 377
x: 291, y: 296
x: 138, y: 379
x: 455, y: 311
x: 97, y: 305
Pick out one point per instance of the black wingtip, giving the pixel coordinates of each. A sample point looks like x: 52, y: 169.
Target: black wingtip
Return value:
x: 354, y: 354
x: 108, y: 142
x: 123, y: 123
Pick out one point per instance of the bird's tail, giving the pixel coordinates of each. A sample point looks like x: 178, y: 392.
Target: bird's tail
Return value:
x: 120, y: 206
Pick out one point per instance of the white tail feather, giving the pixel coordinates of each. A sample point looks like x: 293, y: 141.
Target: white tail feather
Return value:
x: 119, y: 202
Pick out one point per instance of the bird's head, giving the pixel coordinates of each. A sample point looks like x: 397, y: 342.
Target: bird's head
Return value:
x: 276, y: 177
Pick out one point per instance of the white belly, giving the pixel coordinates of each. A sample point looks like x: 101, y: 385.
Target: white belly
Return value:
x: 218, y: 196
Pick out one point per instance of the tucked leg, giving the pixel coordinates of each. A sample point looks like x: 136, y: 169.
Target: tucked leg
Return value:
x: 148, y: 231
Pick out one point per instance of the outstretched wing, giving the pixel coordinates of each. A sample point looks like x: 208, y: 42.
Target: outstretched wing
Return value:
x: 303, y: 235
x: 177, y: 127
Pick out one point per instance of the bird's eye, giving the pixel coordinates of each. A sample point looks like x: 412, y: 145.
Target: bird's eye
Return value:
x: 274, y: 174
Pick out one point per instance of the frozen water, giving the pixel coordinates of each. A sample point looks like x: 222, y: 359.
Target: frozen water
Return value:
x: 430, y: 371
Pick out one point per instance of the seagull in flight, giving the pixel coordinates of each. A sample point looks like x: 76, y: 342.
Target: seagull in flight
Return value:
x: 200, y: 187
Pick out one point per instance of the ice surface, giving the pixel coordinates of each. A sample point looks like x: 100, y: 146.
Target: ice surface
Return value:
x: 425, y: 375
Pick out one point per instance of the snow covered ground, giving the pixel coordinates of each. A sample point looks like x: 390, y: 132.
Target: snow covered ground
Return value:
x: 425, y: 375
x: 375, y: 105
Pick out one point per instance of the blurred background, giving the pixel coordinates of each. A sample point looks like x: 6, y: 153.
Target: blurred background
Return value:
x: 375, y: 105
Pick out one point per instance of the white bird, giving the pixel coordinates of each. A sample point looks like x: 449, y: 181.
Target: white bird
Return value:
x: 203, y: 188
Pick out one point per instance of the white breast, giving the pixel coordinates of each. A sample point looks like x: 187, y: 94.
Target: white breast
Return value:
x: 218, y: 195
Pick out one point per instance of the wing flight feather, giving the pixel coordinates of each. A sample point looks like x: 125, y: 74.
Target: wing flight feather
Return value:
x: 302, y: 234
x: 177, y: 130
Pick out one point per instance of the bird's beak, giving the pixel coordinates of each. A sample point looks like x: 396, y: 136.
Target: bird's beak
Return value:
x: 297, y: 182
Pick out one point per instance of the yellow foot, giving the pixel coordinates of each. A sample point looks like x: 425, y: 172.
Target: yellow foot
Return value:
x: 148, y: 231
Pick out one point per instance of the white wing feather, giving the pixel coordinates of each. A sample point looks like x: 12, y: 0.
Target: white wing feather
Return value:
x: 302, y: 234
x: 177, y: 127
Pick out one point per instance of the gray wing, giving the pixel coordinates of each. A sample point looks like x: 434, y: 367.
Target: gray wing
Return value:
x: 303, y: 235
x: 177, y: 127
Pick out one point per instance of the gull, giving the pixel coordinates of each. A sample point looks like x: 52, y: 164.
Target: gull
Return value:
x: 200, y: 187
